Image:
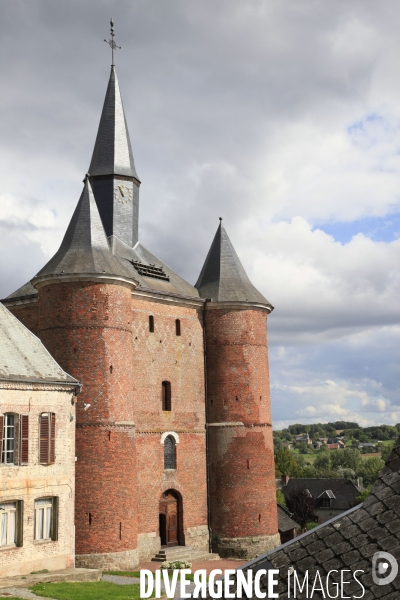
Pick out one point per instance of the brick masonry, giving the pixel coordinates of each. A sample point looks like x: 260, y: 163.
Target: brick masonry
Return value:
x: 242, y: 476
x: 34, y: 481
x: 99, y: 333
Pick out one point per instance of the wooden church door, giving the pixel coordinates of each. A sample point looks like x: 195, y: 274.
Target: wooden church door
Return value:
x: 169, y: 519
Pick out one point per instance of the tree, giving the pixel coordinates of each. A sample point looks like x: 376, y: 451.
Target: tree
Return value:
x: 286, y: 463
x: 280, y: 498
x: 369, y: 470
x: 386, y: 451
x: 300, y: 503
x: 350, y: 458
x: 322, y: 463
x: 362, y: 496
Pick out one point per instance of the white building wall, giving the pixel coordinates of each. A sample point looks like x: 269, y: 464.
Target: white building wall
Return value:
x: 34, y: 481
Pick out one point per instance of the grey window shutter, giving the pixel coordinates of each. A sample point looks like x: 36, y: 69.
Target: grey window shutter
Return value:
x: 24, y: 439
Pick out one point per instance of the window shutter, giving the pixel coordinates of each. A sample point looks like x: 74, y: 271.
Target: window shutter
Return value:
x: 19, y: 533
x: 54, y: 525
x: 24, y: 437
x: 52, y: 439
x: 1, y: 437
x: 44, y: 439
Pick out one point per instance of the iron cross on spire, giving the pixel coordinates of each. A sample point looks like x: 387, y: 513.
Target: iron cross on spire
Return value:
x: 111, y: 42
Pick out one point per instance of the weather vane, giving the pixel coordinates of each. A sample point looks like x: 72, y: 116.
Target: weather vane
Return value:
x: 111, y: 42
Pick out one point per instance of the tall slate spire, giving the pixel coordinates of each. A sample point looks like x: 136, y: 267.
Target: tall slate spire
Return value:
x: 112, y: 154
x: 223, y: 278
x: 84, y: 249
x: 112, y: 169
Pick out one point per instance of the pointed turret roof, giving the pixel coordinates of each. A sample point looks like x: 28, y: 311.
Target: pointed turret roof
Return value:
x: 223, y: 278
x: 84, y: 249
x: 112, y: 154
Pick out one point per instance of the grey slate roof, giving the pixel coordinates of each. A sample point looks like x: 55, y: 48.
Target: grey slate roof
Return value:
x: 223, y: 277
x: 84, y: 249
x: 25, y: 291
x: 23, y: 356
x: 348, y: 541
x: 127, y: 255
x: 285, y: 521
x: 344, y: 490
x: 112, y: 154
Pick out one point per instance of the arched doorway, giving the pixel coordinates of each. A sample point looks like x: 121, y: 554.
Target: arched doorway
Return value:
x: 170, y: 519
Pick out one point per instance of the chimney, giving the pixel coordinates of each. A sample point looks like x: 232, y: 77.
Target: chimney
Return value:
x: 284, y: 479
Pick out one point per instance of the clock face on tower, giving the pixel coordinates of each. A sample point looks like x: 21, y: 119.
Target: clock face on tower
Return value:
x: 122, y: 193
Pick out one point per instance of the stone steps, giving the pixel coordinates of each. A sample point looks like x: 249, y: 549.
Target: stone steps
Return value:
x: 183, y: 553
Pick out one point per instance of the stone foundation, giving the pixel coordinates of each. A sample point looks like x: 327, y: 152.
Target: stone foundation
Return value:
x: 109, y: 561
x: 197, y: 537
x: 247, y: 547
x: 148, y: 545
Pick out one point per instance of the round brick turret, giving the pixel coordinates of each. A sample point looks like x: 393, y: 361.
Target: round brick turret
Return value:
x: 86, y: 326
x: 242, y: 477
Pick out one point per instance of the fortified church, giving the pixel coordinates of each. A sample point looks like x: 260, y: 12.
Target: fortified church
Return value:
x: 173, y: 424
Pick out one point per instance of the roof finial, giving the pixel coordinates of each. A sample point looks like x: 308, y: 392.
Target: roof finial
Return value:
x: 111, y: 42
x: 220, y: 220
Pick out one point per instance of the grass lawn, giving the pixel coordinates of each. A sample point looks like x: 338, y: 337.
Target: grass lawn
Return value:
x: 87, y: 590
x: 137, y: 574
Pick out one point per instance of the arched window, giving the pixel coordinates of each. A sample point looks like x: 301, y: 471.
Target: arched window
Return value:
x: 178, y: 327
x: 166, y: 395
x: 169, y: 453
x: 151, y: 324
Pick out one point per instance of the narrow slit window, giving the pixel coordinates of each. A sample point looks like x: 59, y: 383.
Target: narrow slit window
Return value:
x: 151, y: 324
x: 178, y: 327
x: 169, y: 452
x: 166, y: 395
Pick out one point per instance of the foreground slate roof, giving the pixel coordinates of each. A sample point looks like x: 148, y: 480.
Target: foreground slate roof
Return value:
x: 348, y: 541
x: 223, y: 278
x: 23, y: 356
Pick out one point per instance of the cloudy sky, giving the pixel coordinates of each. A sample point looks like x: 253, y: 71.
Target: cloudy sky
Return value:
x: 282, y: 117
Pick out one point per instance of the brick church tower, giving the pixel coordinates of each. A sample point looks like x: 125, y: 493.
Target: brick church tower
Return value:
x: 146, y: 345
x: 241, y: 458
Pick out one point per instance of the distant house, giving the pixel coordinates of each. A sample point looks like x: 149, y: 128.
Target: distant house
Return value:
x: 304, y: 437
x: 323, y: 440
x: 333, y: 446
x: 318, y: 445
x: 366, y: 445
x: 287, y: 445
x: 286, y: 525
x: 331, y: 496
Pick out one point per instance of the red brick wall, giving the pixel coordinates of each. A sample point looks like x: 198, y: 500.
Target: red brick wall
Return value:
x: 164, y: 356
x: 87, y: 327
x: 242, y: 477
x: 27, y: 314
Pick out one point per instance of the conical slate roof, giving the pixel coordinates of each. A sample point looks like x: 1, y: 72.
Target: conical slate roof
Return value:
x: 84, y: 249
x: 223, y: 278
x: 112, y: 154
x: 23, y: 356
